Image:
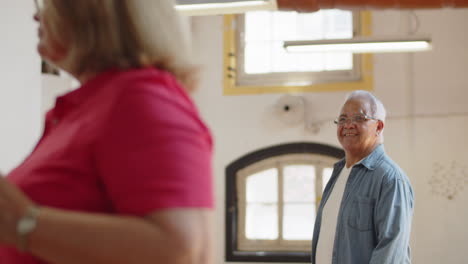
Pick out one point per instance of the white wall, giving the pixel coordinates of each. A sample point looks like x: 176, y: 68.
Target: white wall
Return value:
x: 425, y: 95
x: 19, y: 82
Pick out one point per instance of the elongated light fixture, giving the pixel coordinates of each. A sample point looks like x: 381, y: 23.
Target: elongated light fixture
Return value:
x: 362, y: 45
x: 199, y: 8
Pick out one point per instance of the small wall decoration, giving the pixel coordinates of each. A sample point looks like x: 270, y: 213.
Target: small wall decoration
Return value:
x: 448, y: 179
x: 290, y: 109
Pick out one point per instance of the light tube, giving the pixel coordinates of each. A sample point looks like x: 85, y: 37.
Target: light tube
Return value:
x: 360, y: 45
x: 225, y: 8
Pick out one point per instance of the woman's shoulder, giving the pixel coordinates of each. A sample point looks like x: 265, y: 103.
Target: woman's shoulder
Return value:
x: 154, y: 94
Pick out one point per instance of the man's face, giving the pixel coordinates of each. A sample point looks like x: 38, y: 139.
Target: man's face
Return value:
x: 357, y: 136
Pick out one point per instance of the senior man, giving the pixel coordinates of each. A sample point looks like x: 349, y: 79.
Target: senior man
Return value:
x: 367, y: 206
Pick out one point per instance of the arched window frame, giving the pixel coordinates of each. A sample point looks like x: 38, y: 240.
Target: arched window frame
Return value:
x: 233, y: 252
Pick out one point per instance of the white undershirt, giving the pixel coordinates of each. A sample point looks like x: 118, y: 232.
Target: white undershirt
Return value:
x: 329, y: 218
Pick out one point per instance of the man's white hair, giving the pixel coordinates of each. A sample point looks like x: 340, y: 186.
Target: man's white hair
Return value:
x: 377, y: 108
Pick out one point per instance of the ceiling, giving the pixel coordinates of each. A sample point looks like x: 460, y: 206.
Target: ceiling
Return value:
x: 314, y: 5
x: 213, y: 7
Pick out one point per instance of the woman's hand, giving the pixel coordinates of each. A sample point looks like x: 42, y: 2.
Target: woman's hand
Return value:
x: 13, y: 205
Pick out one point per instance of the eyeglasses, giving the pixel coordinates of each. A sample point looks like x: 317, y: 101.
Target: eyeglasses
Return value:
x: 357, y: 119
x: 39, y: 4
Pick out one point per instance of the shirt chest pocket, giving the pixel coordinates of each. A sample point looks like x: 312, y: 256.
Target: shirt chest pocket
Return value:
x: 361, y: 216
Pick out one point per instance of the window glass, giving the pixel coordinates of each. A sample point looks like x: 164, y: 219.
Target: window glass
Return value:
x: 261, y: 221
x: 299, y: 183
x: 299, y: 202
x: 262, y: 187
x: 298, y: 221
x: 265, y: 32
x: 262, y: 212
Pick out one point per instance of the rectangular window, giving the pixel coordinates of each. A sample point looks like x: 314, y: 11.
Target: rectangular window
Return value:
x: 256, y: 60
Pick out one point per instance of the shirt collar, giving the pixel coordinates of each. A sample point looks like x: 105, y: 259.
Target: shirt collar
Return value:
x: 86, y: 90
x: 369, y: 161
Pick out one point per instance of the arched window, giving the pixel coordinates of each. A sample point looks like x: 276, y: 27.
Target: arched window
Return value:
x: 271, y: 199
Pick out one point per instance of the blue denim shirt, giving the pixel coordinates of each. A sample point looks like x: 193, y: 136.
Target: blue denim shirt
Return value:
x: 374, y: 220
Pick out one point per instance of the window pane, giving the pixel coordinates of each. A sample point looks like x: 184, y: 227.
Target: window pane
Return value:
x: 263, y: 186
x: 338, y: 24
x: 261, y: 222
x: 326, y: 175
x: 257, y: 58
x: 299, y: 183
x: 298, y: 221
x: 311, y: 26
x: 284, y: 26
x: 258, y: 26
x: 283, y: 61
x: 266, y: 31
x: 335, y: 61
x: 272, y: 57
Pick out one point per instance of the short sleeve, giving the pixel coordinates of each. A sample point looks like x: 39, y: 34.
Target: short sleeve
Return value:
x: 155, y: 152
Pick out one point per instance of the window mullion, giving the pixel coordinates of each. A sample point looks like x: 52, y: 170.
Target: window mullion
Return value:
x: 242, y: 207
x: 280, y: 201
x: 318, y: 184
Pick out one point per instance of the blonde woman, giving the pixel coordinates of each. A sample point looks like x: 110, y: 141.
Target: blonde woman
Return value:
x: 122, y: 173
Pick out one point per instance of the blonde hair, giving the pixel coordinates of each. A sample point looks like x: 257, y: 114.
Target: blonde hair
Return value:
x: 102, y: 34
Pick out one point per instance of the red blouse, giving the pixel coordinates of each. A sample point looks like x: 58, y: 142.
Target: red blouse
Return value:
x: 126, y: 142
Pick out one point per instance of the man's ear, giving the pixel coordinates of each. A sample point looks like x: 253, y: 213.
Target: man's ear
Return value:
x: 380, y: 127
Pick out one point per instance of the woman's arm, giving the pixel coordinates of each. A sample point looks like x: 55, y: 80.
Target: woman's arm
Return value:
x: 168, y: 236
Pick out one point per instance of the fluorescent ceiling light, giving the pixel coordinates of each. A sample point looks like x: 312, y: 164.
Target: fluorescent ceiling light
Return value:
x: 361, y: 45
x: 233, y: 7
